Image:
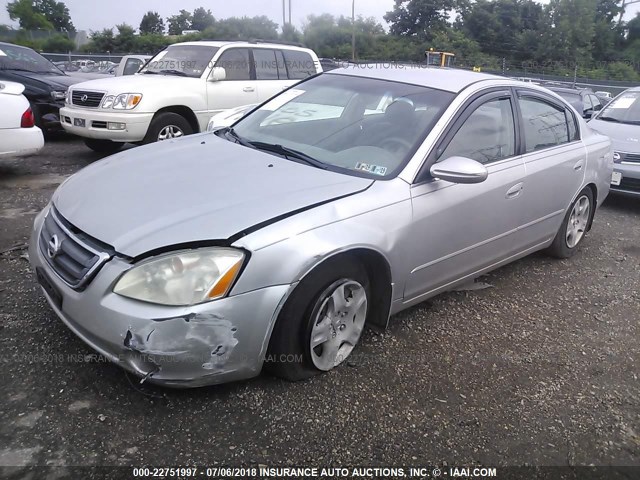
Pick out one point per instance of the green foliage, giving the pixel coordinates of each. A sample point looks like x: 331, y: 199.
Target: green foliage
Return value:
x: 29, y: 19
x: 562, y: 37
x: 180, y: 22
x: 151, y: 24
x: 41, y: 15
x: 58, y: 44
x: 55, y: 12
x: 423, y: 18
x: 202, y: 19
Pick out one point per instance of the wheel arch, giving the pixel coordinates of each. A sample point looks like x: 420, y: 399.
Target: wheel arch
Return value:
x: 379, y: 274
x: 183, y: 111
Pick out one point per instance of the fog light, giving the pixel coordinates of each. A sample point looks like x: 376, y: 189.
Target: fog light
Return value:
x: 116, y: 126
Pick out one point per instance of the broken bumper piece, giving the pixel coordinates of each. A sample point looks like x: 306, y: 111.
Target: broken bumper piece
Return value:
x: 215, y: 342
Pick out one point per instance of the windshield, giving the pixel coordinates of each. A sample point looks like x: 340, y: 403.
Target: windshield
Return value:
x: 181, y: 60
x: 625, y: 108
x: 360, y: 126
x: 13, y: 57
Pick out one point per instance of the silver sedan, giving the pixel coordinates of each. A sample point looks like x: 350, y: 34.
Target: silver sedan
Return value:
x: 343, y: 200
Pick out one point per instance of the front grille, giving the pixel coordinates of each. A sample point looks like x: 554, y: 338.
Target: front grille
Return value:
x: 629, y: 183
x: 85, y: 98
x: 73, y: 259
x: 630, y: 157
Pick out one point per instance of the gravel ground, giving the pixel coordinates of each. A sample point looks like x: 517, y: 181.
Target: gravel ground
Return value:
x: 540, y: 369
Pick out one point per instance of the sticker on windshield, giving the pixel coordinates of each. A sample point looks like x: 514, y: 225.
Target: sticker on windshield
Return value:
x: 283, y: 98
x: 375, y: 169
x: 624, y: 102
x: 2, y: 54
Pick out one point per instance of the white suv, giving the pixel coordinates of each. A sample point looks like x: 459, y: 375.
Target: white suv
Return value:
x: 179, y: 89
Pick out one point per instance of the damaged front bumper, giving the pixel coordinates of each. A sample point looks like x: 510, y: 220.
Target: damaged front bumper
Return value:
x: 215, y: 342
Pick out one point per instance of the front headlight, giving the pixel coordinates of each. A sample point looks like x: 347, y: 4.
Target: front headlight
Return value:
x: 68, y: 97
x: 183, y: 278
x: 124, y: 101
x: 59, y: 94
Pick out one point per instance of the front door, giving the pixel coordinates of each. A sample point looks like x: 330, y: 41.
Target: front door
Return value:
x: 459, y: 229
x: 239, y: 86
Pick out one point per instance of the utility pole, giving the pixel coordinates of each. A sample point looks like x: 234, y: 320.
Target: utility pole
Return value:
x: 284, y: 18
x: 289, y: 12
x: 625, y: 3
x: 353, y: 30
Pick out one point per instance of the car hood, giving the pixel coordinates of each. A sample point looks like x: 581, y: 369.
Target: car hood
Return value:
x: 139, y: 83
x: 56, y: 82
x: 194, y: 189
x: 625, y: 138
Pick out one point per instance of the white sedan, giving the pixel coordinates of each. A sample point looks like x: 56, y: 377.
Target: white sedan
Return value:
x: 19, y: 135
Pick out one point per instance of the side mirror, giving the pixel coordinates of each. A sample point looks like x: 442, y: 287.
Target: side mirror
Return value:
x: 587, y: 113
x: 217, y: 74
x: 459, y: 170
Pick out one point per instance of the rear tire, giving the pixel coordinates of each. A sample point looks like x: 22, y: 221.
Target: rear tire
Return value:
x: 166, y: 126
x: 103, y: 146
x: 315, y: 314
x: 574, y: 226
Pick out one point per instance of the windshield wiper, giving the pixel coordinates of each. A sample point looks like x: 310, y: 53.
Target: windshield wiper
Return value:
x: 610, y: 119
x: 17, y: 69
x: 150, y: 72
x: 230, y: 132
x: 289, y: 152
x: 174, y: 72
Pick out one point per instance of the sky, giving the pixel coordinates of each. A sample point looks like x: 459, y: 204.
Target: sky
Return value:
x: 97, y: 14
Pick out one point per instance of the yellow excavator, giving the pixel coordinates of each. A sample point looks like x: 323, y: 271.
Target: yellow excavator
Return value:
x: 439, y: 59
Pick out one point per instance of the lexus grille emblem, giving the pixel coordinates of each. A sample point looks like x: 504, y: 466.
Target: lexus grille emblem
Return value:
x: 54, y: 246
x: 84, y: 98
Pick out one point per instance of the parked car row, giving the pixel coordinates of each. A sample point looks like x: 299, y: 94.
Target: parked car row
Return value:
x: 380, y: 186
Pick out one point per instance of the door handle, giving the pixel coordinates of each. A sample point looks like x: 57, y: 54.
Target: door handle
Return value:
x: 578, y: 166
x: 514, y: 191
x: 248, y: 89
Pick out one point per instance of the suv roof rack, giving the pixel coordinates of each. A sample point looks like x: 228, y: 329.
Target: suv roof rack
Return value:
x: 277, y: 42
x: 253, y: 40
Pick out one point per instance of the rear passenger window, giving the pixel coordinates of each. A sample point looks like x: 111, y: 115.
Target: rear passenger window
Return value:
x: 266, y: 65
x: 299, y: 64
x: 545, y: 125
x: 487, y: 135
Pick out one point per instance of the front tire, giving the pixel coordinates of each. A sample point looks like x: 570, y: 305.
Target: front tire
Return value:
x: 103, y: 146
x: 322, y: 321
x: 574, y: 226
x: 166, y: 126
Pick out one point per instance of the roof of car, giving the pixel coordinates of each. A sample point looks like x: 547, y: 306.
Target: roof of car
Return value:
x: 252, y: 44
x: 448, y: 79
x: 567, y: 89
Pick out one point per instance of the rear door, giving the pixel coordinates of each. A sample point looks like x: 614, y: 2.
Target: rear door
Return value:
x: 239, y: 86
x: 271, y: 72
x: 555, y: 159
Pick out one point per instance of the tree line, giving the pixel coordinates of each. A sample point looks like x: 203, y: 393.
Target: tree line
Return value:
x: 562, y: 37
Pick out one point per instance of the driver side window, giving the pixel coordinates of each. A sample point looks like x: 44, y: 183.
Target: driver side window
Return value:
x: 487, y: 135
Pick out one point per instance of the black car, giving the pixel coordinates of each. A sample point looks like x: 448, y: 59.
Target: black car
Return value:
x: 45, y: 84
x: 582, y: 99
